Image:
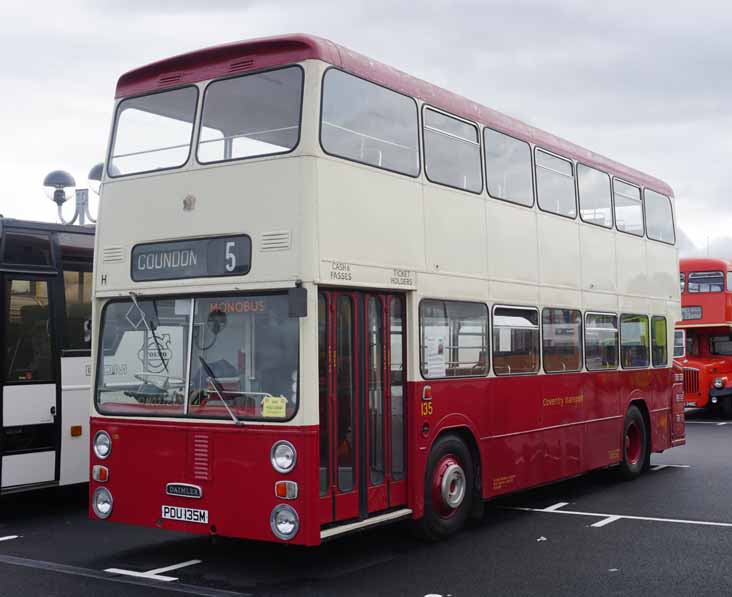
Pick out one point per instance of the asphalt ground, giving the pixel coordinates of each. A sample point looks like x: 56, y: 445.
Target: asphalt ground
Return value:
x: 667, y: 533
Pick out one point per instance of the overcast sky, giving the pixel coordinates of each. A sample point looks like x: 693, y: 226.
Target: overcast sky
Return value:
x: 644, y: 83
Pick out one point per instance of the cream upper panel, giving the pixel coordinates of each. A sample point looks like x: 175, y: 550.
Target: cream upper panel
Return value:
x: 261, y: 199
x: 321, y: 218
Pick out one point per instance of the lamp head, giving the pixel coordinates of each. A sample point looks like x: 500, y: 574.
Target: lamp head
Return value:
x: 95, y: 177
x: 59, y: 186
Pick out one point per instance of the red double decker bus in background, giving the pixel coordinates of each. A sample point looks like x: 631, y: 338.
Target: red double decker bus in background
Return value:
x: 703, y: 342
x: 330, y: 295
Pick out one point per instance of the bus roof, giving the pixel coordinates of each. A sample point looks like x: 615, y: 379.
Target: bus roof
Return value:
x: 45, y: 226
x: 256, y: 54
x: 704, y: 264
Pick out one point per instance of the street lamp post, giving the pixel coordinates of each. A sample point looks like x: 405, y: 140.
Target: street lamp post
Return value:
x: 60, y: 186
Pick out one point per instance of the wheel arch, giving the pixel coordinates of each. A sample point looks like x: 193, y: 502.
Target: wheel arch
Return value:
x: 640, y: 403
x: 642, y: 406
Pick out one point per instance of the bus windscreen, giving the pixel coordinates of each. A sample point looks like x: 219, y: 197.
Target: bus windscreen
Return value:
x: 151, y: 358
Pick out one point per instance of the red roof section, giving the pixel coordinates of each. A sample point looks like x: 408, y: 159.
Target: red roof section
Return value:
x: 256, y: 54
x: 704, y: 264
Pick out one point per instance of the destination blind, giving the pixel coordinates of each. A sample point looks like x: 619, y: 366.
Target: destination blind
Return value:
x: 192, y: 258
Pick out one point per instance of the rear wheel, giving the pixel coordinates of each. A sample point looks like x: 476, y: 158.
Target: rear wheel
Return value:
x: 448, y: 489
x: 636, y: 456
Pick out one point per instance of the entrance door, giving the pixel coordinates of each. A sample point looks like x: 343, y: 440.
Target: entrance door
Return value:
x: 362, y: 409
x: 29, y: 395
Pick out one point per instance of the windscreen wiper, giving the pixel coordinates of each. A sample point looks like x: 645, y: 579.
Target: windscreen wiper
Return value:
x: 133, y: 296
x: 219, y: 389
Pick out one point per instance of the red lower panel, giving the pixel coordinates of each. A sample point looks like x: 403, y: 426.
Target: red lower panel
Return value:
x: 377, y: 499
x: 533, y: 430
x: 230, y: 464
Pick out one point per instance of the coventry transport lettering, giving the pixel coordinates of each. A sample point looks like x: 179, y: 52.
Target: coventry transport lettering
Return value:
x: 192, y: 258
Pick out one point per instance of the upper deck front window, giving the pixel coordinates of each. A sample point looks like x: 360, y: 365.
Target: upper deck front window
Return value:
x: 153, y: 132
x: 705, y: 282
x: 252, y: 115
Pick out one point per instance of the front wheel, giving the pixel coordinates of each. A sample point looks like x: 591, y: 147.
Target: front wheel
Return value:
x: 636, y: 456
x: 448, y: 489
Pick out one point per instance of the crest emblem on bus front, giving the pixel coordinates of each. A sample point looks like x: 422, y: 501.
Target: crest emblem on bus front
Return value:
x: 189, y: 203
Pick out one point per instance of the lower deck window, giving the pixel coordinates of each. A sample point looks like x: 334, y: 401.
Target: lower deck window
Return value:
x: 679, y: 344
x: 454, y: 338
x: 601, y: 341
x: 27, y: 342
x: 659, y: 341
x: 562, y: 333
x: 634, y: 341
x: 721, y: 345
x: 515, y: 340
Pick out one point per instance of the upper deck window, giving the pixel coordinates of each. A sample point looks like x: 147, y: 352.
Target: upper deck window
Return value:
x: 508, y: 168
x: 370, y: 124
x: 452, y: 152
x: 555, y: 184
x: 682, y: 282
x: 595, y: 196
x: 250, y: 116
x: 705, y: 282
x: 628, y: 208
x: 27, y: 248
x: 659, y: 219
x: 153, y: 132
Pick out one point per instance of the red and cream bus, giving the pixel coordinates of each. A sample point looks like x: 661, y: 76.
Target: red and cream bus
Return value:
x: 330, y: 295
x: 703, y: 344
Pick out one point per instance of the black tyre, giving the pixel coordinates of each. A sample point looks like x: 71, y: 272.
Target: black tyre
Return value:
x: 448, y: 489
x: 636, y: 455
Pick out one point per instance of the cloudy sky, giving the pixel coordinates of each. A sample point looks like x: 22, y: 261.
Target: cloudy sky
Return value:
x: 644, y: 83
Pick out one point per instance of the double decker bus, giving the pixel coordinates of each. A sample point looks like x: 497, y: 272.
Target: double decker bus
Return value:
x: 46, y: 285
x: 703, y: 344
x: 330, y: 295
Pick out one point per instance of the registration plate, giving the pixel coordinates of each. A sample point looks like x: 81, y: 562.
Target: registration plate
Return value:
x: 185, y: 514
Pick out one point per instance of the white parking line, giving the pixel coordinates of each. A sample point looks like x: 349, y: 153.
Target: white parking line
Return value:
x: 717, y: 423
x: 155, y: 574
x: 556, y: 506
x: 604, y: 521
x: 658, y: 467
x: 608, y: 518
x: 182, y: 588
x: 9, y: 538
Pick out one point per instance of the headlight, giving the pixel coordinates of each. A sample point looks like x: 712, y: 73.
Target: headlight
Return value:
x: 283, y: 456
x: 284, y: 522
x: 102, y: 444
x: 719, y: 383
x: 102, y: 502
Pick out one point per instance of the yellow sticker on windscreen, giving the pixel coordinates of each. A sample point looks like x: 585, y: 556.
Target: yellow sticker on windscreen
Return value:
x: 274, y: 407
